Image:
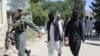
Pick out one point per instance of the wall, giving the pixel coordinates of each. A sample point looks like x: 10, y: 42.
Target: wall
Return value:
x: 0, y: 12
x: 3, y: 25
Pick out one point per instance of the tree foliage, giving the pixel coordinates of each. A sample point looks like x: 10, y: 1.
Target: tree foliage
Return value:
x: 79, y: 5
x: 64, y: 7
x: 96, y: 8
x: 67, y: 9
x: 39, y: 9
x: 38, y: 14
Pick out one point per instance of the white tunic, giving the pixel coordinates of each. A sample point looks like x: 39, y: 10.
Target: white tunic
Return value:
x: 84, y: 26
x: 52, y: 44
x: 90, y: 26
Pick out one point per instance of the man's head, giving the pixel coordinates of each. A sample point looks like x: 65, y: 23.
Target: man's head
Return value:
x: 20, y: 12
x: 87, y: 17
x: 80, y: 17
x: 90, y: 18
x: 58, y: 16
x: 51, y: 16
x: 75, y: 15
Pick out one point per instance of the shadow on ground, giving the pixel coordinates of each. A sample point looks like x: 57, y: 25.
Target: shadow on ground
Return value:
x: 93, y: 38
x: 93, y: 44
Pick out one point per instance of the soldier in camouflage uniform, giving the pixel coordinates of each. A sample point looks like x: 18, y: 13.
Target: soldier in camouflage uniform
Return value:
x: 19, y: 26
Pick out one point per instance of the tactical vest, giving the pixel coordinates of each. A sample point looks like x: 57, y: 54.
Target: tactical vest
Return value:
x: 19, y: 25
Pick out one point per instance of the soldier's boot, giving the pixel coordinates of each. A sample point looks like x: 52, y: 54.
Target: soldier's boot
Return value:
x: 5, y: 55
x: 7, y: 43
x: 28, y: 52
x: 12, y: 43
x: 59, y: 54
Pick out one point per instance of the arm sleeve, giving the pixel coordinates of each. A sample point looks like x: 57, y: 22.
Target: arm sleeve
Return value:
x: 60, y: 29
x: 66, y: 30
x: 81, y: 31
x: 44, y: 29
x: 32, y: 25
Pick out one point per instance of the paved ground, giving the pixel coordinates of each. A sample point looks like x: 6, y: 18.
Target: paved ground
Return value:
x: 91, y: 47
x: 2, y: 38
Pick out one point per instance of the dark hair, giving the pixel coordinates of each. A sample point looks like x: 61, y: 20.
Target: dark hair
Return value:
x: 75, y: 15
x: 87, y: 17
x: 19, y: 10
x: 51, y: 16
x: 81, y: 17
x: 90, y: 18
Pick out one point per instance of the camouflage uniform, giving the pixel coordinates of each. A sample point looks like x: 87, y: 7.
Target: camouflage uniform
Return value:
x: 20, y: 36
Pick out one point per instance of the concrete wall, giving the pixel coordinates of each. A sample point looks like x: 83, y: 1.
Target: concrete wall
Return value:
x: 0, y: 12
x: 3, y: 25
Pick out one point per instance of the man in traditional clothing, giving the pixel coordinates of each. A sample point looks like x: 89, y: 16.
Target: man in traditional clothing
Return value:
x: 97, y: 27
x: 55, y: 34
x: 90, y: 26
x: 65, y: 24
x: 87, y: 25
x: 19, y: 26
x: 84, y: 25
x: 83, y: 22
x: 74, y: 32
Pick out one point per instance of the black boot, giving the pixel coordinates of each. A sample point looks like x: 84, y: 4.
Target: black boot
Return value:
x: 28, y: 52
x: 5, y: 55
x: 59, y: 54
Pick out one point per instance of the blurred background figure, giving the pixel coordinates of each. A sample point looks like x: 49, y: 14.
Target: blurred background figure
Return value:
x: 87, y: 25
x: 90, y: 26
x: 97, y: 27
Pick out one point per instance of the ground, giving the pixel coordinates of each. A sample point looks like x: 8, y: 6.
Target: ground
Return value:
x: 2, y: 37
x: 91, y: 47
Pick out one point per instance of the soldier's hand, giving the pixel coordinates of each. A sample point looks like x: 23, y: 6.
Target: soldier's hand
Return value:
x: 8, y: 31
x: 39, y: 34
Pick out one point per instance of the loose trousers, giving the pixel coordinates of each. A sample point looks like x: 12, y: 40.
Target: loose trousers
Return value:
x: 75, y: 46
x: 56, y: 45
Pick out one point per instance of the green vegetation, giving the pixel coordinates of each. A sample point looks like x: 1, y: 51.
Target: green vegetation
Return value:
x: 39, y: 9
x: 31, y: 34
x: 38, y: 14
x: 96, y: 8
x: 79, y: 5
